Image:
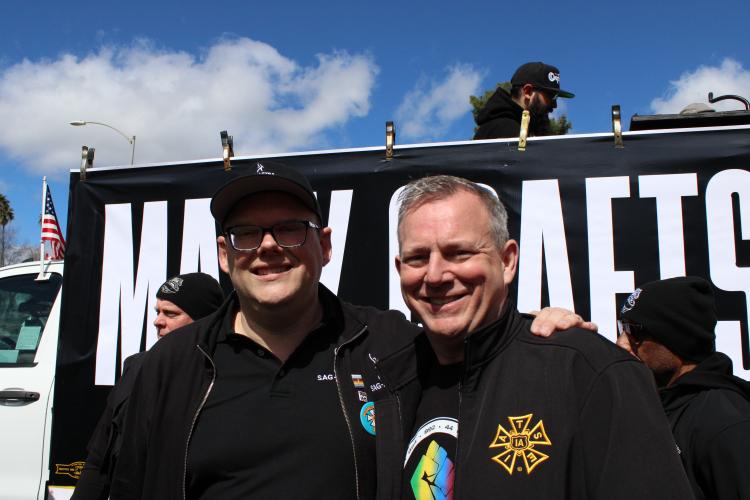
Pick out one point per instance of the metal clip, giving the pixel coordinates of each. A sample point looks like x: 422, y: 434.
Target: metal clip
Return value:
x: 617, y: 126
x: 227, y: 145
x: 390, y: 139
x: 523, y: 134
x: 87, y: 160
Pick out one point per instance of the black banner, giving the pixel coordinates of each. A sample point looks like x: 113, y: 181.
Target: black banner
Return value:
x: 592, y: 221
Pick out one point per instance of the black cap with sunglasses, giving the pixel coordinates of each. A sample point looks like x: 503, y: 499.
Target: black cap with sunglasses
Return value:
x: 678, y: 313
x: 541, y: 76
x: 263, y: 176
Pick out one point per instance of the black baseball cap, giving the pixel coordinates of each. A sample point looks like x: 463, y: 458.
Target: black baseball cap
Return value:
x: 540, y: 75
x: 263, y: 176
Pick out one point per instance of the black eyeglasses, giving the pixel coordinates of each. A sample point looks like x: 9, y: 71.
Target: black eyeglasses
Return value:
x: 635, y: 330
x: 287, y: 234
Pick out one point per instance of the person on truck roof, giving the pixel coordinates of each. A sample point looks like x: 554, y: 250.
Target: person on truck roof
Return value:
x: 535, y: 87
x: 180, y: 301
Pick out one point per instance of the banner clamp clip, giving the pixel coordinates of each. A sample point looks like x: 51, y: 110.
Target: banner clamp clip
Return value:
x: 227, y: 145
x: 390, y: 139
x: 523, y: 134
x: 87, y: 160
x: 617, y: 126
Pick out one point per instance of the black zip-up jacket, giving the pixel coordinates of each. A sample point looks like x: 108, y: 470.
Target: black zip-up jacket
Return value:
x: 106, y: 441
x: 500, y: 117
x: 176, y: 379
x: 709, y: 411
x: 607, y: 434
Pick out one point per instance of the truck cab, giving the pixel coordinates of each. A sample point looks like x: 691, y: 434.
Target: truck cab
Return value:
x: 29, y: 319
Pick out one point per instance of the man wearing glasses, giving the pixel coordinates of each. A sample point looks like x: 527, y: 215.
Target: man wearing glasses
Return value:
x: 535, y: 87
x: 271, y: 397
x: 669, y: 324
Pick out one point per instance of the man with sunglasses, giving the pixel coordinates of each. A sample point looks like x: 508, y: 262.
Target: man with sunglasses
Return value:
x: 669, y: 324
x: 535, y: 87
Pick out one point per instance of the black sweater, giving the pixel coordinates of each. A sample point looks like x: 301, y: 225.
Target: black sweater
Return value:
x: 500, y: 117
x: 709, y: 411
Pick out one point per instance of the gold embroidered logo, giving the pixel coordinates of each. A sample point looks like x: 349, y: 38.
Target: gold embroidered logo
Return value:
x: 73, y: 470
x: 520, y: 442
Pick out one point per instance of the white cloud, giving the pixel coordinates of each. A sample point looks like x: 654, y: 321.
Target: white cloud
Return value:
x: 728, y: 78
x: 430, y: 108
x: 175, y: 103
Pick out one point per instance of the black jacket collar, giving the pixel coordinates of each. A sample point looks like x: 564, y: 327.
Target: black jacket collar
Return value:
x: 481, y: 346
x: 220, y: 321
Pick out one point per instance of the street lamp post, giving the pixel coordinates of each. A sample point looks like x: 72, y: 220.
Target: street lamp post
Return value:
x: 131, y: 140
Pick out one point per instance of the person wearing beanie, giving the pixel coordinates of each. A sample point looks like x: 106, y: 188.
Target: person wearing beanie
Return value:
x: 669, y: 325
x: 180, y: 300
x: 184, y: 299
x: 535, y: 86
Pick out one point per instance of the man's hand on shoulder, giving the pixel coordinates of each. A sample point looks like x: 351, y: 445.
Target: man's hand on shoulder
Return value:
x: 554, y: 319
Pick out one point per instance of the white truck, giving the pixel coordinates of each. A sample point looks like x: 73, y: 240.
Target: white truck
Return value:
x: 29, y: 319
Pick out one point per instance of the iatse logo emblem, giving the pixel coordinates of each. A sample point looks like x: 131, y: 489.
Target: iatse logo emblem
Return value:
x: 519, y: 444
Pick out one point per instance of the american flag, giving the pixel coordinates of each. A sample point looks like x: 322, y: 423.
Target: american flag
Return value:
x: 51, y: 229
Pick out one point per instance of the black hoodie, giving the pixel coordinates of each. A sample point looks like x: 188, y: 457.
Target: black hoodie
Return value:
x: 709, y: 412
x: 500, y: 117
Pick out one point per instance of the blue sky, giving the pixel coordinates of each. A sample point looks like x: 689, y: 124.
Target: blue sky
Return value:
x: 295, y: 76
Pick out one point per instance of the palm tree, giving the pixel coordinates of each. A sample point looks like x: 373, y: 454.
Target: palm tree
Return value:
x: 6, y: 215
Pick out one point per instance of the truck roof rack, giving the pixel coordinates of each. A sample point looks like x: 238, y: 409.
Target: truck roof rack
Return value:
x: 705, y: 118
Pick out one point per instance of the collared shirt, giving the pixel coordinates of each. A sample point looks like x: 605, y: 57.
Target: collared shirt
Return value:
x: 271, y: 429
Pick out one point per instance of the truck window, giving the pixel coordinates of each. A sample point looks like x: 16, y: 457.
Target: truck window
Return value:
x: 24, y: 307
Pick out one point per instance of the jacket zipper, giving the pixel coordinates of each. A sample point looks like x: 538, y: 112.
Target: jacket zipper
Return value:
x: 343, y: 405
x: 195, y: 418
x: 458, y: 418
x: 458, y: 436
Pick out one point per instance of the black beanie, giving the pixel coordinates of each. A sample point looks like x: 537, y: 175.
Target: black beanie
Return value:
x: 197, y: 294
x: 679, y: 313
